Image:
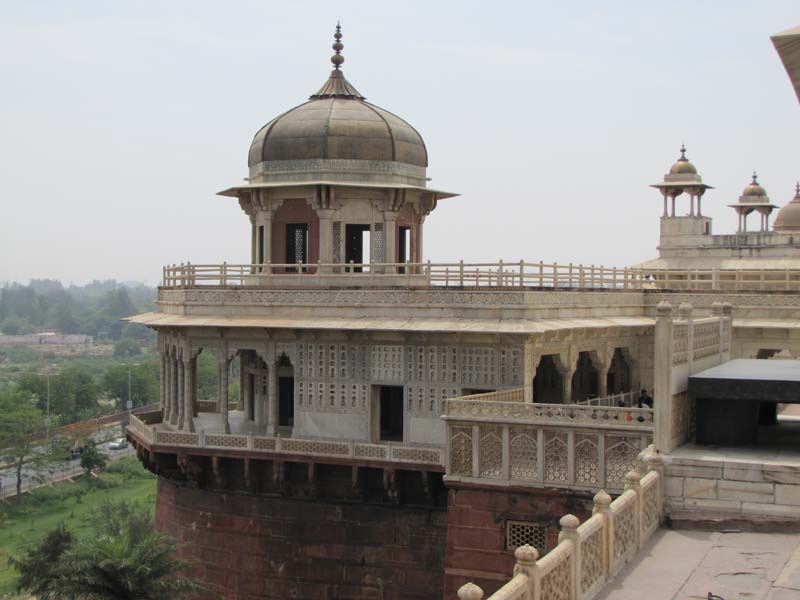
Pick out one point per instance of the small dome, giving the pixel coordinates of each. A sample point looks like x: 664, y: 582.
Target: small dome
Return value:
x: 788, y: 219
x: 754, y: 190
x: 338, y: 129
x: 682, y: 166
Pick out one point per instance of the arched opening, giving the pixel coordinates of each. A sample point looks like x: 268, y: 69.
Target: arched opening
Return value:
x: 618, y: 378
x: 285, y: 373
x: 548, y: 384
x: 585, y: 379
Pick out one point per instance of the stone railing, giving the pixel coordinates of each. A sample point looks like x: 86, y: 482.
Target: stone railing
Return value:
x: 387, y: 452
x: 578, y: 415
x: 506, y: 445
x: 461, y: 274
x: 510, y: 395
x: 587, y: 554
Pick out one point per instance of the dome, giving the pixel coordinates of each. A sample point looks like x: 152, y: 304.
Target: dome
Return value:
x: 338, y: 135
x: 788, y: 219
x: 337, y: 127
x: 682, y: 166
x: 754, y: 190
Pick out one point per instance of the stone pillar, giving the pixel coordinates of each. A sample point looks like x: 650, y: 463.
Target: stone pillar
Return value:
x: 253, y: 240
x: 727, y: 317
x: 664, y: 193
x: 325, y: 237
x: 181, y: 390
x: 166, y: 406
x: 187, y: 368
x: 390, y: 238
x: 174, y: 394
x: 530, y: 362
x: 418, y: 243
x: 224, y: 365
x: 685, y: 311
x: 272, y: 397
x: 662, y: 373
x: 566, y: 387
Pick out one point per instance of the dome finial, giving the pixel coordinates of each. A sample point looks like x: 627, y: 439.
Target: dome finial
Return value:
x: 755, y: 178
x: 337, y: 59
x: 683, y: 153
x: 797, y: 190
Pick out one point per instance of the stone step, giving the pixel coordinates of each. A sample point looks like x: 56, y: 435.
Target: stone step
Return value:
x: 699, y: 520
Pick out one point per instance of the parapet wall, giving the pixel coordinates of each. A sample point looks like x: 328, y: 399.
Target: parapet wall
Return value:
x: 255, y: 547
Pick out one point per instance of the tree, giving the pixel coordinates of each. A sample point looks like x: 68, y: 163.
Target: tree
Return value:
x: 20, y: 421
x: 144, y: 383
x: 127, y: 347
x: 36, y: 567
x: 92, y: 458
x: 124, y: 560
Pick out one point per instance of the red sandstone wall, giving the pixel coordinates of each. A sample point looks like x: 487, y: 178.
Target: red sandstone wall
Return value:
x: 251, y: 547
x: 476, y: 530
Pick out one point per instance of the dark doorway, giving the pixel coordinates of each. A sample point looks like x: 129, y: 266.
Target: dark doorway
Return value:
x: 584, y: 381
x: 356, y: 245
x: 391, y: 413
x: 403, y: 243
x: 547, y: 384
x: 285, y: 392
x: 618, y: 378
x: 296, y: 244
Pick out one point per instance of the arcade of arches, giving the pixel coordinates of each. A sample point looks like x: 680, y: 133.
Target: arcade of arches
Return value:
x: 556, y: 384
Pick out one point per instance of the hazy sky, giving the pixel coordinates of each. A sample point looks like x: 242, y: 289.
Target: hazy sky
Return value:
x: 119, y: 121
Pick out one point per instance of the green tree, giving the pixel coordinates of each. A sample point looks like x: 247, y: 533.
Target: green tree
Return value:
x: 144, y: 383
x: 92, y: 458
x: 20, y: 421
x: 36, y: 567
x: 127, y: 347
x: 124, y: 560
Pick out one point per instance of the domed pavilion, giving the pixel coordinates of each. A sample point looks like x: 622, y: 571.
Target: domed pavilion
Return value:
x: 788, y: 219
x: 336, y: 180
x: 753, y: 199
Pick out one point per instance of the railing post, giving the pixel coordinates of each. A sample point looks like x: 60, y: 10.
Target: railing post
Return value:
x: 526, y: 557
x: 461, y: 272
x: 506, y: 453
x: 569, y: 533
x: 521, y: 273
x: 555, y: 275
x: 569, y: 276
x: 476, y: 451
x: 602, y: 506
x: 470, y: 591
x: 223, y: 278
x: 632, y: 482
x: 250, y: 440
x: 602, y: 277
x: 500, y: 274
x: 656, y: 463
x: 541, y: 274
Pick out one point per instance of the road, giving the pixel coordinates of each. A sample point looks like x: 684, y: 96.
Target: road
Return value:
x: 68, y: 468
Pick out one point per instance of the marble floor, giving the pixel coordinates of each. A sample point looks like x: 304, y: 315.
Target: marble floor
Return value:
x: 678, y: 565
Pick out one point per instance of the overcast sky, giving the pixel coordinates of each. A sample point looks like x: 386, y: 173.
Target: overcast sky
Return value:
x: 119, y: 121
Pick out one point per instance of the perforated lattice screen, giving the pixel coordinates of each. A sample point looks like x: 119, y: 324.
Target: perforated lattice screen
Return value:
x: 337, y: 242
x: 378, y: 257
x: 519, y: 533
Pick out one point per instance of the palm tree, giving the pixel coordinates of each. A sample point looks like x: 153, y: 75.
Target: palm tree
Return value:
x: 121, y: 568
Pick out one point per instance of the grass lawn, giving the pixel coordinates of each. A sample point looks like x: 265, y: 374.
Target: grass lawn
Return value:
x: 74, y: 504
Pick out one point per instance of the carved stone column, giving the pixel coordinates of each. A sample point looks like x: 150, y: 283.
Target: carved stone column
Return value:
x: 224, y: 365
x: 180, y: 384
x: 166, y: 405
x: 662, y: 395
x: 190, y: 375
x: 174, y: 395
x: 390, y: 238
x: 325, y: 237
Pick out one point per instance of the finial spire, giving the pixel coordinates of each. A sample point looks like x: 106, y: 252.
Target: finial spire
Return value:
x: 755, y: 177
x: 683, y: 154
x: 797, y: 190
x: 337, y: 59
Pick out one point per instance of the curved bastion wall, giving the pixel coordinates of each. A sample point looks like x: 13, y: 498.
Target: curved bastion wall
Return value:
x: 250, y: 546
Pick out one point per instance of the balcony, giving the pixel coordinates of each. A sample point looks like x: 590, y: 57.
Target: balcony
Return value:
x: 507, y: 275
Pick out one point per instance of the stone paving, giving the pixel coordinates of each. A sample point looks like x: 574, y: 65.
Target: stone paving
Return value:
x: 684, y: 565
